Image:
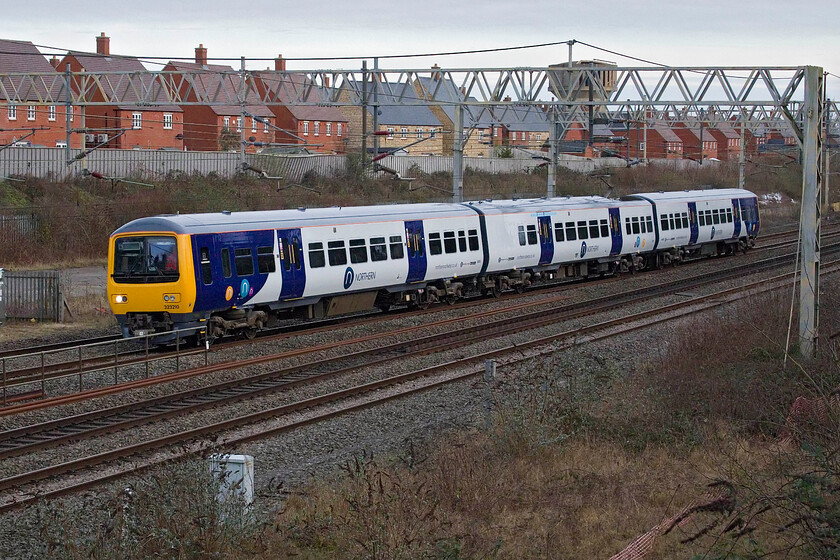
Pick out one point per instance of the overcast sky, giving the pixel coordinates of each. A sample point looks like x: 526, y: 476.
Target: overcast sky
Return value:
x: 673, y: 32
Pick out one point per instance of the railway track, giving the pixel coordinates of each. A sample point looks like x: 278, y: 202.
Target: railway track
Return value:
x: 60, y: 479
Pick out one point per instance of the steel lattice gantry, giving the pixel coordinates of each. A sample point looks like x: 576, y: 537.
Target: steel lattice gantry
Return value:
x: 776, y: 97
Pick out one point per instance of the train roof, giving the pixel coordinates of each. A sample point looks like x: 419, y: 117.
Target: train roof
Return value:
x: 692, y: 195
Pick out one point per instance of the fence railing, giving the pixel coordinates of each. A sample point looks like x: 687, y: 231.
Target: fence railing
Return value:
x: 32, y: 294
x: 157, y: 164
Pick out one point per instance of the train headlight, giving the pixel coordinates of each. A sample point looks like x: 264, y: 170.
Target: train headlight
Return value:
x: 120, y: 298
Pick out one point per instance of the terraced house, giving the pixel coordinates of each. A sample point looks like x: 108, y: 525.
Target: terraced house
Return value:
x: 23, y: 121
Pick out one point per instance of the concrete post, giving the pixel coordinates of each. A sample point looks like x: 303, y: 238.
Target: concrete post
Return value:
x: 809, y: 222
x: 552, y: 146
x: 2, y: 300
x: 458, y: 156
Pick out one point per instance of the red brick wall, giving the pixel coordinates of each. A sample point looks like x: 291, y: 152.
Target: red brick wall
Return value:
x: 54, y: 130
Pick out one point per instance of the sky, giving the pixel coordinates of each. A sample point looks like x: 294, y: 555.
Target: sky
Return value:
x: 672, y: 32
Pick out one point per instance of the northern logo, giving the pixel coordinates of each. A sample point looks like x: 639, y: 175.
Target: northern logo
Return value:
x: 349, y: 275
x: 244, y: 289
x: 583, y: 248
x: 713, y: 232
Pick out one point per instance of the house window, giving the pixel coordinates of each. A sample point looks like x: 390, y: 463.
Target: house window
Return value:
x: 265, y: 125
x: 306, y: 128
x: 51, y: 113
x: 338, y: 129
x: 329, y: 129
x: 253, y: 124
x: 238, y: 124
x: 70, y: 110
x: 30, y: 113
x: 227, y: 122
x: 167, y: 121
x: 419, y: 132
x: 12, y: 112
x: 404, y: 132
x: 136, y: 121
x: 317, y: 127
x: 480, y: 135
x: 390, y: 132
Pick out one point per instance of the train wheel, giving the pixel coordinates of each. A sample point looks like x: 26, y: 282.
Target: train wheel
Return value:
x: 519, y: 288
x: 250, y: 333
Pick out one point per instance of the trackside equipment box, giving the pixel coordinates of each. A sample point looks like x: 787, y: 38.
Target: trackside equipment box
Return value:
x: 236, y: 474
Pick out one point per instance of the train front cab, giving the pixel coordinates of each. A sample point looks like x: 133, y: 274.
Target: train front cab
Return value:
x: 151, y: 287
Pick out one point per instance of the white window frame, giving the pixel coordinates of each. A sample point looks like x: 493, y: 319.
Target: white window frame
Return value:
x: 419, y: 132
x: 51, y: 113
x: 404, y: 132
x: 306, y: 128
x: 226, y: 123
x: 253, y: 124
x: 30, y: 113
x: 136, y: 121
x: 71, y: 113
x: 390, y: 132
x: 12, y: 112
x: 317, y: 128
x: 167, y: 121
x: 338, y: 130
x: 329, y: 129
x: 238, y: 124
x: 265, y: 125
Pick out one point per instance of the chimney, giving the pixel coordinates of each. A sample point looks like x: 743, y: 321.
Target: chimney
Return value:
x: 103, y: 44
x: 201, y: 55
x: 435, y: 75
x: 54, y: 61
x: 280, y: 63
x: 507, y: 98
x: 326, y: 81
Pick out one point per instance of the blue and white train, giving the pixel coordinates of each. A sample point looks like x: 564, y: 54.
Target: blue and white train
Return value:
x: 235, y: 273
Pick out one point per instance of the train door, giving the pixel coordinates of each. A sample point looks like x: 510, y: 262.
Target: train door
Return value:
x: 736, y: 218
x: 615, y: 231
x: 292, y: 268
x: 546, y: 241
x: 693, y: 223
x: 415, y: 243
x: 749, y: 215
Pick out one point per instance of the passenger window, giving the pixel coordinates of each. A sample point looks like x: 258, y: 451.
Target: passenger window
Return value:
x: 462, y: 241
x: 559, y: 236
x: 378, y: 252
x: 605, y: 229
x: 206, y: 270
x: 396, y: 247
x: 435, y: 247
x: 673, y: 224
x: 571, y: 233
x: 583, y: 233
x: 649, y: 221
x: 472, y: 237
x: 685, y: 220
x: 316, y: 255
x: 664, y: 222
x: 737, y: 212
x: 635, y: 223
x: 449, y: 245
x: 337, y: 253
x: 244, y: 262
x: 594, y: 232
x: 265, y: 259
x: 226, y: 262
x: 522, y: 235
x: 532, y: 235
x: 715, y: 217
x: 627, y: 226
x: 729, y: 215
x: 358, y: 251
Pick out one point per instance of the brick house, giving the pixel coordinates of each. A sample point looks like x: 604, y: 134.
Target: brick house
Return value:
x: 482, y: 131
x: 524, y: 126
x: 728, y: 141
x: 126, y: 125
x: 318, y: 128
x: 698, y: 144
x: 662, y: 142
x: 404, y: 124
x: 30, y: 123
x: 219, y: 127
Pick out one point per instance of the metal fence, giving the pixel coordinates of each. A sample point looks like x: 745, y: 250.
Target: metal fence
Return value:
x: 18, y: 228
x: 32, y: 295
x: 157, y: 164
x: 2, y: 300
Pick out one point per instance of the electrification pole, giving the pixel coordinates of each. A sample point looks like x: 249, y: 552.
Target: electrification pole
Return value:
x: 375, y: 84
x: 809, y: 223
x: 458, y: 156
x: 552, y: 146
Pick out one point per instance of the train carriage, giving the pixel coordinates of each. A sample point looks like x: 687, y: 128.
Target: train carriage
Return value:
x: 226, y: 273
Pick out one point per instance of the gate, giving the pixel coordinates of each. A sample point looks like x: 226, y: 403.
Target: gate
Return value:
x: 32, y: 295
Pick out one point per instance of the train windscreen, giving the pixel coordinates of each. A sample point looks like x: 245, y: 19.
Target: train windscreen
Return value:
x: 145, y: 259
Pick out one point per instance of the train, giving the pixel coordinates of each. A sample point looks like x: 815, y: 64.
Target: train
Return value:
x: 205, y: 276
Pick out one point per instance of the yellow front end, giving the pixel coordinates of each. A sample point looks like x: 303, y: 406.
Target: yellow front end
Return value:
x: 151, y: 283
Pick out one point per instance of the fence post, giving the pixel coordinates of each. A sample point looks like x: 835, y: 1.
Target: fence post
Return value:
x: 2, y: 300
x: 489, y: 376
